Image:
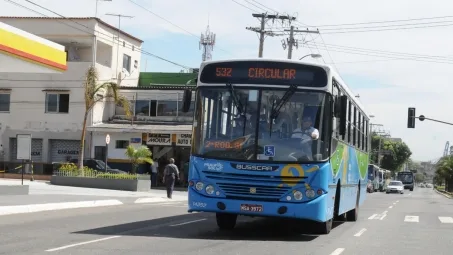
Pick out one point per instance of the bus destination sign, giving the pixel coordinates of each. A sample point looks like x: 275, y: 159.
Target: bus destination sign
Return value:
x: 264, y: 72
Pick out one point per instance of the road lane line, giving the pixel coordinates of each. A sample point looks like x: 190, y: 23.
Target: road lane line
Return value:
x: 337, y: 251
x: 82, y: 243
x: 390, y: 207
x: 409, y: 218
x: 360, y: 232
x: 383, y: 216
x: 446, y: 219
x: 187, y: 222
x: 394, y: 203
x: 397, y: 201
x: 372, y: 216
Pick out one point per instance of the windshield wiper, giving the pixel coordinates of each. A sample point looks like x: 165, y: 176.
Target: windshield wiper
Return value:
x: 289, y: 93
x: 236, y: 101
x: 275, y: 111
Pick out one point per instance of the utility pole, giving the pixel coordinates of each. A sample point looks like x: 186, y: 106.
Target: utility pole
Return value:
x: 264, y: 17
x: 119, y: 31
x: 291, y: 42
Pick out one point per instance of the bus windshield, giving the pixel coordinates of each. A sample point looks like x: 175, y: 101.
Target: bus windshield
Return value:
x: 270, y: 124
x: 406, y: 177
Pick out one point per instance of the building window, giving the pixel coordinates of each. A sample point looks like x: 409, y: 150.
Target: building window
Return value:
x: 127, y: 62
x: 5, y: 102
x: 167, y: 108
x: 121, y: 144
x: 57, y: 103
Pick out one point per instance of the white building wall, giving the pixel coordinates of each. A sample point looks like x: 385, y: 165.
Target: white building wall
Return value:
x: 114, y: 153
x: 27, y: 110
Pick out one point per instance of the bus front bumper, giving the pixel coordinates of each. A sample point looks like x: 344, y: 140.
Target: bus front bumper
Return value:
x: 316, y: 210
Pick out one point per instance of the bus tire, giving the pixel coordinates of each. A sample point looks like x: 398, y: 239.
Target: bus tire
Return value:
x: 324, y: 228
x: 226, y: 221
x: 353, y: 215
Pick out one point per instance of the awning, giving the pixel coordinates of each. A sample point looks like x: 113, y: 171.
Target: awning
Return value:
x: 127, y: 128
x: 21, y: 52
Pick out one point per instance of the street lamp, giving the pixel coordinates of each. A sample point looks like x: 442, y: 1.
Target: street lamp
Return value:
x: 311, y: 55
x: 96, y: 12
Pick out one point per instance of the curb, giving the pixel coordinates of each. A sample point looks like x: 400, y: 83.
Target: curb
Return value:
x: 18, y: 209
x: 443, y: 194
x: 147, y: 200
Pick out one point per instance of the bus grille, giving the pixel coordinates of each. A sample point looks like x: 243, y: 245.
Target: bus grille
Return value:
x: 251, y: 187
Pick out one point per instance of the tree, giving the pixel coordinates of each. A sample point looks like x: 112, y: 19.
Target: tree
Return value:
x: 138, y: 156
x: 444, y: 172
x: 419, y: 177
x: 399, y: 153
x: 94, y: 94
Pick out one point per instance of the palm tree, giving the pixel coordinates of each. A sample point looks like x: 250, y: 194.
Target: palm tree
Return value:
x: 95, y: 93
x: 138, y: 156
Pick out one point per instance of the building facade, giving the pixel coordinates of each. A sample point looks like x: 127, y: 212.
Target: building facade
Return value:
x: 157, y: 122
x: 51, y: 106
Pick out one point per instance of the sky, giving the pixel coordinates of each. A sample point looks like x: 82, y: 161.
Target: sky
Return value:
x: 390, y: 66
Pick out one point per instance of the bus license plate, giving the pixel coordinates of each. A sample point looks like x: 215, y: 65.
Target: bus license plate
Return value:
x: 251, y: 208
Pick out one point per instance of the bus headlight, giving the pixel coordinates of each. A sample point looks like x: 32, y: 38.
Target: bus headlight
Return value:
x: 298, y: 195
x: 310, y: 193
x: 199, y: 186
x: 210, y: 189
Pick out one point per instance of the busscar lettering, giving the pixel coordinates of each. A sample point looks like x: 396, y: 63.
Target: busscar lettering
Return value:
x: 223, y: 72
x: 272, y: 73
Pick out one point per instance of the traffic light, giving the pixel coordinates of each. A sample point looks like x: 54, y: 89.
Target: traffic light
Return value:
x: 411, y: 117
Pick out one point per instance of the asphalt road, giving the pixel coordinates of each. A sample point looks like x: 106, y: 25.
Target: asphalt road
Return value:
x: 388, y: 224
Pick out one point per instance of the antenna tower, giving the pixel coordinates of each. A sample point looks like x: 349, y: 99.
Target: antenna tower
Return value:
x: 207, y: 41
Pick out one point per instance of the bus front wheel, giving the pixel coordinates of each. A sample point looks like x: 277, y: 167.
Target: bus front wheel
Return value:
x: 226, y: 221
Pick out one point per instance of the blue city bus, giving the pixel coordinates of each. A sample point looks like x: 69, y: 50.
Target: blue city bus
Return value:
x: 374, y: 176
x: 255, y: 150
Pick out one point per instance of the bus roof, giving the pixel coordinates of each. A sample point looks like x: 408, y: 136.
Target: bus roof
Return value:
x: 329, y: 69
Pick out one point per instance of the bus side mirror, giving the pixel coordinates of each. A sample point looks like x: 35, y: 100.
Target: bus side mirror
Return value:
x: 186, y: 100
x: 343, y: 109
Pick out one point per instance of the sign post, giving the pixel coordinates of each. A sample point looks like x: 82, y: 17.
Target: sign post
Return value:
x: 107, y: 141
x: 23, y: 150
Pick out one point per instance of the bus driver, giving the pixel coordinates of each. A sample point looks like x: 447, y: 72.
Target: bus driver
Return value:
x: 307, y: 134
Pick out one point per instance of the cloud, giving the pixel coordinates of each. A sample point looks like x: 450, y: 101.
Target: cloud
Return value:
x: 386, y: 87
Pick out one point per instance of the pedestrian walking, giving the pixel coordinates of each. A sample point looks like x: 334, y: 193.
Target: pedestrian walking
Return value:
x: 171, y: 174
x: 154, y: 167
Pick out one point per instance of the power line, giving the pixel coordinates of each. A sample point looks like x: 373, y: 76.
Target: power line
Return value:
x: 381, y: 22
x: 171, y: 23
x: 264, y: 17
x: 108, y: 37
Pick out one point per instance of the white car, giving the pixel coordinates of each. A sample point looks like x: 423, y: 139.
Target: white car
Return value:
x: 395, y: 187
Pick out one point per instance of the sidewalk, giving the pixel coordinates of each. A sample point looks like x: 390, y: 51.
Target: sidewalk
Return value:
x: 45, y: 197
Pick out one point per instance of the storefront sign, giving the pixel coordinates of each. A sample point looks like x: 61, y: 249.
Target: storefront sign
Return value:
x: 68, y: 152
x: 36, y: 153
x: 159, y: 139
x: 136, y: 140
x: 183, y: 139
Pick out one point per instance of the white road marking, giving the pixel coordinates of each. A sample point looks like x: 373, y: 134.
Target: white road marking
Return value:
x: 187, y: 222
x: 360, y: 232
x: 383, y: 216
x: 397, y: 201
x: 337, y: 251
x: 409, y: 194
x: 82, y: 243
x: 446, y: 219
x: 409, y: 218
x: 390, y: 207
x: 372, y: 216
x: 394, y: 203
